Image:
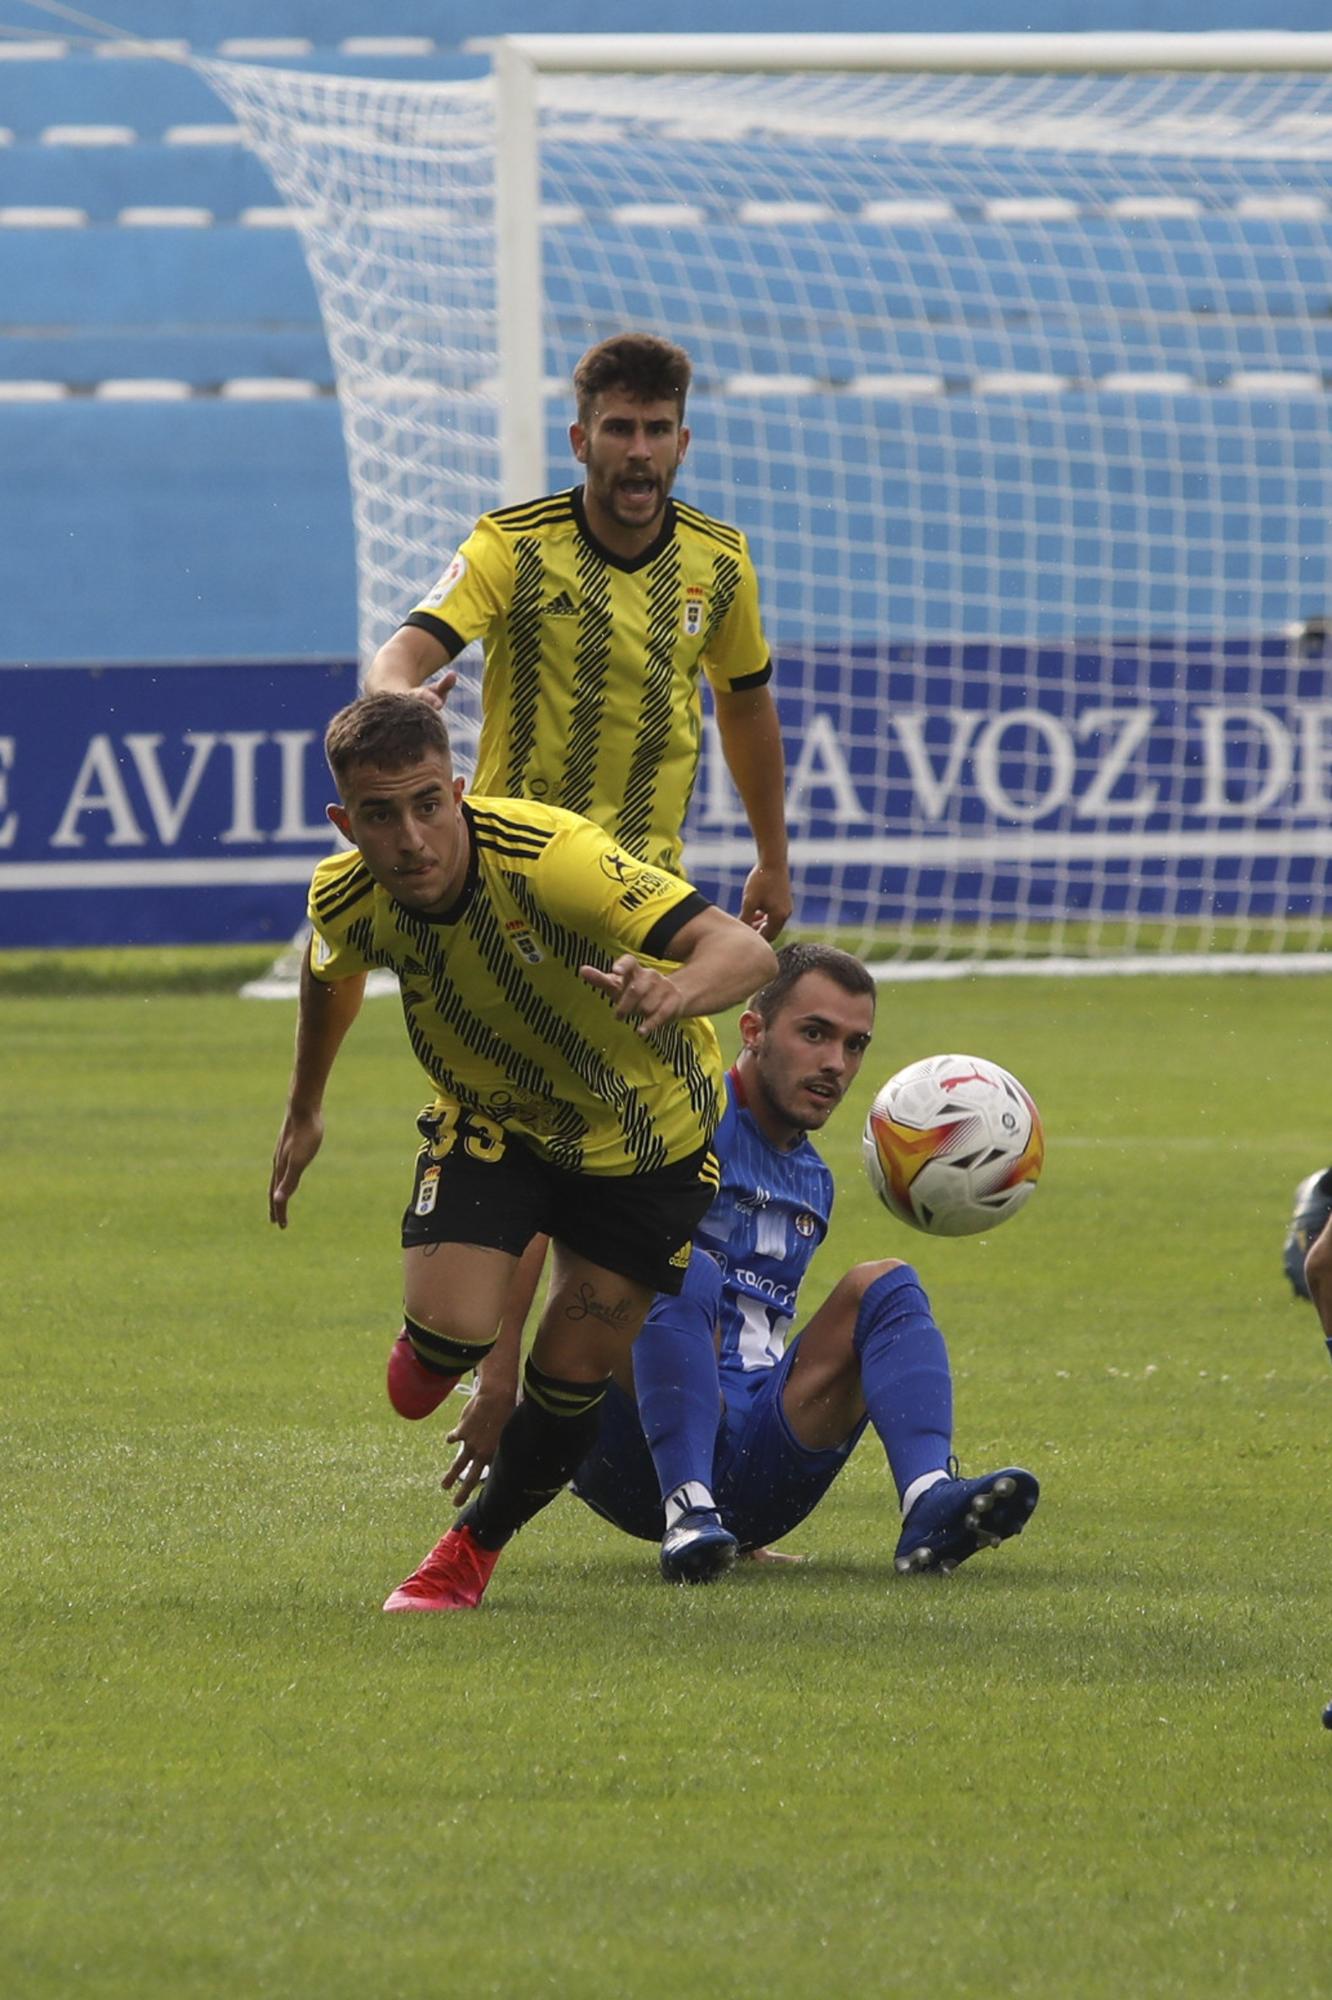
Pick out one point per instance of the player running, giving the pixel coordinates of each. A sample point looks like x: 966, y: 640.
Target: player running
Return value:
x: 554, y: 992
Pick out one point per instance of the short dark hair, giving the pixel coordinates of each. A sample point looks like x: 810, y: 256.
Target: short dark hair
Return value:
x: 646, y: 368
x: 795, y: 960
x: 389, y: 731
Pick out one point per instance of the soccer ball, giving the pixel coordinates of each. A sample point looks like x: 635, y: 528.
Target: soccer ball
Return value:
x: 953, y: 1145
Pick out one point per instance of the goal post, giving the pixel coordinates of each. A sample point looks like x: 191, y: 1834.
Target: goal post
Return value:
x: 1012, y: 358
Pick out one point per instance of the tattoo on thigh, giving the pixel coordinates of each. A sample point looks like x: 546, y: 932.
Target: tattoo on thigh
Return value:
x: 586, y: 1305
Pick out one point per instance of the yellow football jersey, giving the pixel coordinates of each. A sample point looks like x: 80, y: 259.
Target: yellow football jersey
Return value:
x: 496, y: 1011
x: 591, y: 695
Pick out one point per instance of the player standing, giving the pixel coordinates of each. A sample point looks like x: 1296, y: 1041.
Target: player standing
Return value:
x: 601, y: 609
x: 553, y: 990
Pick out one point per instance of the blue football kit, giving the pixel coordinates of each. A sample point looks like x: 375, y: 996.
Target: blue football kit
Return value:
x: 710, y: 1366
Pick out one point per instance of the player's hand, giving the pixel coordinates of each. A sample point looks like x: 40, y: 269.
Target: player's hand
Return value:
x: 638, y: 989
x: 437, y: 692
x: 299, y: 1140
x: 766, y: 904
x: 775, y: 1557
x: 477, y: 1435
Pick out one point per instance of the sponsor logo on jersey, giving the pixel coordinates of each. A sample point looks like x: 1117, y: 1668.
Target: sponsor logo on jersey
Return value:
x: 617, y: 867
x: 766, y: 1288
x: 695, y: 609
x: 453, y: 575
x: 681, y: 1257
x: 428, y: 1192
x: 523, y: 942
x: 561, y: 606
x: 754, y: 1199
x: 648, y: 885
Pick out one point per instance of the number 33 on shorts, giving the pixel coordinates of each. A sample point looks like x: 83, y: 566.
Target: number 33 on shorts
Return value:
x: 443, y: 1125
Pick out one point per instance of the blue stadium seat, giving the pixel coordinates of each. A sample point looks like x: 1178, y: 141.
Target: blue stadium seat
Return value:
x: 225, y: 180
x: 154, y: 278
x: 151, y: 96
x: 197, y: 530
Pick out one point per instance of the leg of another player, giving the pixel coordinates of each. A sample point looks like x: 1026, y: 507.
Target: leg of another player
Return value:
x: 585, y: 1335
x: 1318, y: 1277
x: 873, y: 1348
x: 587, y: 1329
x: 679, y: 1400
x: 453, y: 1294
x: 677, y: 1389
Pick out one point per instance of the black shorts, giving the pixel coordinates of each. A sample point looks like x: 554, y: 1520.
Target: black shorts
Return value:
x: 475, y: 1183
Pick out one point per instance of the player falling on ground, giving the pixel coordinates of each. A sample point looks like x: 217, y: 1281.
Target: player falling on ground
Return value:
x: 553, y: 991
x: 791, y: 1412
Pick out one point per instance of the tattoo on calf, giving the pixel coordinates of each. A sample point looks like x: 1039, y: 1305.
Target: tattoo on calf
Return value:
x: 614, y: 1313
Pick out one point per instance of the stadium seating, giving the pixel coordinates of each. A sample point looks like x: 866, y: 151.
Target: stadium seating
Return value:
x: 165, y: 383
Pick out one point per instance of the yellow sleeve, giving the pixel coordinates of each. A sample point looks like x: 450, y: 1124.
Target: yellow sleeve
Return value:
x: 589, y: 882
x: 737, y: 652
x: 340, y: 891
x: 473, y: 593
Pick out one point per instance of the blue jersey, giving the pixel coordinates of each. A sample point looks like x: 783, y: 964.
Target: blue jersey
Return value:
x: 769, y: 1216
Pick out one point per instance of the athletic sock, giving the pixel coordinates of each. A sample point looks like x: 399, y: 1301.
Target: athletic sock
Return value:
x: 905, y: 1378
x: 921, y: 1486
x: 675, y: 1380
x: 540, y: 1448
x: 691, y: 1498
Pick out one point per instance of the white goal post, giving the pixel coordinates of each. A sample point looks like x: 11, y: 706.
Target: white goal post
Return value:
x: 1012, y: 357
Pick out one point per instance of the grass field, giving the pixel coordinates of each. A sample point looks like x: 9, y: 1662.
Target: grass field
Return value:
x: 1089, y: 1765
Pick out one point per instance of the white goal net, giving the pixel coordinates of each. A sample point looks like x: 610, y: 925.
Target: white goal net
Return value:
x: 1019, y: 385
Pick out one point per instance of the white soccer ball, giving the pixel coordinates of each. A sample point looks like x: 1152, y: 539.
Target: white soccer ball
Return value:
x: 953, y: 1145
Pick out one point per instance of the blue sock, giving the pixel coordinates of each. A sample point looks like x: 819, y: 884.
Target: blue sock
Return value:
x: 904, y: 1376
x: 675, y: 1378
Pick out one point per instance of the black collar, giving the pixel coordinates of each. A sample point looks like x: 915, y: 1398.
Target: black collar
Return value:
x: 627, y: 563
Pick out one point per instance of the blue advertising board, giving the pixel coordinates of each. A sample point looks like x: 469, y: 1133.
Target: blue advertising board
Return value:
x: 159, y: 805
x: 164, y: 804
x: 1167, y: 781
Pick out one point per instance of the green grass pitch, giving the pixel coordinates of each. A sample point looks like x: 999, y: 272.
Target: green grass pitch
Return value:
x: 1088, y: 1765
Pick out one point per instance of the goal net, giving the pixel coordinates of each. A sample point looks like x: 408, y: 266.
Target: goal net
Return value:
x: 1018, y: 385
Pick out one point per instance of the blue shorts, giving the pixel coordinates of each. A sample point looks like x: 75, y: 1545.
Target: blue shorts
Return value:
x: 763, y: 1479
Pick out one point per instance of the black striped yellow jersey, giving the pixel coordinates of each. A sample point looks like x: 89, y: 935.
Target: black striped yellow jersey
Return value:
x: 591, y: 690
x: 500, y: 1019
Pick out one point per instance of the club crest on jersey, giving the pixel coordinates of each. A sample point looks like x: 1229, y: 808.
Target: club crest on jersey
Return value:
x: 523, y: 942
x: 453, y: 575
x: 695, y: 609
x: 428, y: 1192
x: 805, y: 1223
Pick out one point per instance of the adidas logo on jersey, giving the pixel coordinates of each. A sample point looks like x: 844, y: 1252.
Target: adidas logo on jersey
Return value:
x: 562, y: 606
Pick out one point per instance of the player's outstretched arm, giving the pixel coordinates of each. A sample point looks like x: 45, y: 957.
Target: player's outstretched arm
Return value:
x: 751, y: 741
x: 327, y: 1010
x: 722, y: 962
x: 406, y: 661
